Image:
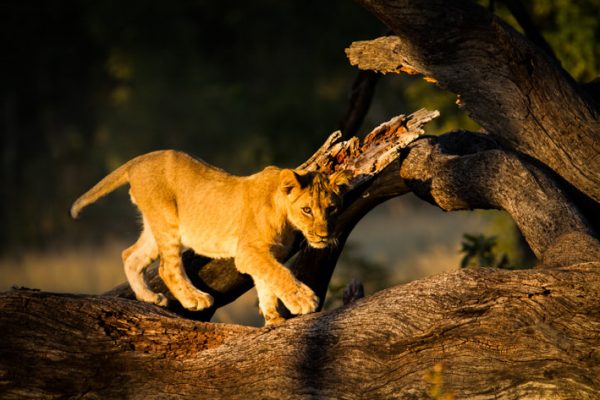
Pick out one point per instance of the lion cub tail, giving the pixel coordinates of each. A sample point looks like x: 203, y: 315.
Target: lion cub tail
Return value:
x: 112, y: 181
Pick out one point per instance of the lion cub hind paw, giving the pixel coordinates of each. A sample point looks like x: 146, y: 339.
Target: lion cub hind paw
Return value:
x: 301, y: 301
x: 155, y: 298
x: 161, y: 300
x: 198, y: 302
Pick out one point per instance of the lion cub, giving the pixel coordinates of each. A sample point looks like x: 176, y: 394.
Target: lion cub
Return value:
x: 186, y: 203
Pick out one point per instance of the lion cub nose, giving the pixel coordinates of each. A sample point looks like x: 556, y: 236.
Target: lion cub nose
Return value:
x: 322, y: 234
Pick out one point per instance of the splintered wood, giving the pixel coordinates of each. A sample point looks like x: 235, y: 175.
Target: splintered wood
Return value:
x: 366, y: 158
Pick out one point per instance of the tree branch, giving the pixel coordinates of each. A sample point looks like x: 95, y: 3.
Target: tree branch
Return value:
x: 518, y: 10
x: 361, y: 95
x: 464, y: 171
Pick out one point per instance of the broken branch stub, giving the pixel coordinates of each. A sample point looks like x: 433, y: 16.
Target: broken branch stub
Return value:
x: 368, y: 157
x: 381, y: 55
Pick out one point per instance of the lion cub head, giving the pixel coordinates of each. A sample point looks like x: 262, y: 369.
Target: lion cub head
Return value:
x: 313, y: 201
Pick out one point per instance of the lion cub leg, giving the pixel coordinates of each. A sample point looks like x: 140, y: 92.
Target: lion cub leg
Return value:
x: 166, y: 233
x: 262, y: 266
x: 267, y: 302
x: 135, y: 260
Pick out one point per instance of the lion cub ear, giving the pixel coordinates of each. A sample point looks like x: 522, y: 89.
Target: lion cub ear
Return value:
x: 288, y: 180
x: 340, y: 180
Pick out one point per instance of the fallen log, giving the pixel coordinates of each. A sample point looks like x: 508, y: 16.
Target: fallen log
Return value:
x: 498, y: 335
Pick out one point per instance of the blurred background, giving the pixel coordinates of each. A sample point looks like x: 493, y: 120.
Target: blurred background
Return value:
x: 88, y: 85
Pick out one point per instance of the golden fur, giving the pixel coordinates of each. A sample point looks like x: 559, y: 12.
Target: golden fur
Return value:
x: 186, y: 203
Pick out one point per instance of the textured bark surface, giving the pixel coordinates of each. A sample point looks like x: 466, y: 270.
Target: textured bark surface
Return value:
x: 511, y: 88
x: 463, y: 170
x: 498, y: 334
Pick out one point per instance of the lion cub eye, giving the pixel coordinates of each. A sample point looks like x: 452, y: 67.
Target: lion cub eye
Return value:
x: 306, y: 210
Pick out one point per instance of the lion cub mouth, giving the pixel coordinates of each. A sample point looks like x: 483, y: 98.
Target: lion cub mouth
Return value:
x: 319, y: 243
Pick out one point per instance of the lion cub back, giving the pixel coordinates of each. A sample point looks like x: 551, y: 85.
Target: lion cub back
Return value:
x: 209, y: 202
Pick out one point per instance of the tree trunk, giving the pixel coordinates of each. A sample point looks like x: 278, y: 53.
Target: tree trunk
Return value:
x: 498, y: 335
x: 508, y: 85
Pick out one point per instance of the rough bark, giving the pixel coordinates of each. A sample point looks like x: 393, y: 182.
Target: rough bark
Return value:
x: 498, y: 334
x: 464, y: 170
x: 510, y: 87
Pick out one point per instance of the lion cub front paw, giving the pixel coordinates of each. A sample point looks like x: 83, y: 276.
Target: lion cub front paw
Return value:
x: 300, y: 300
x: 274, y: 319
x: 196, y: 302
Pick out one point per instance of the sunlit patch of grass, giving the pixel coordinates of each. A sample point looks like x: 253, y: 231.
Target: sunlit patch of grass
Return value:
x: 76, y: 269
x: 432, y: 260
x: 95, y: 269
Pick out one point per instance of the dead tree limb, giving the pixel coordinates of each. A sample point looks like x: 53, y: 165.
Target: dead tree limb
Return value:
x: 361, y: 95
x: 516, y: 92
x: 499, y: 335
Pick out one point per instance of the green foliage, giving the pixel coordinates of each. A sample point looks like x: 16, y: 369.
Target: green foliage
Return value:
x: 572, y: 28
x: 510, y: 241
x: 479, y: 252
